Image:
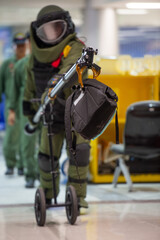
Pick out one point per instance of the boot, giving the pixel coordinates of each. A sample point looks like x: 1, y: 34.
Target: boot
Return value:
x: 20, y: 172
x: 9, y: 171
x: 29, y: 183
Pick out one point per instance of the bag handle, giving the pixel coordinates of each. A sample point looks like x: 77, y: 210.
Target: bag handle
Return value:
x: 95, y: 69
x: 79, y: 72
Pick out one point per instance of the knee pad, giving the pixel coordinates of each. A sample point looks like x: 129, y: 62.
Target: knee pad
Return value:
x: 82, y: 155
x: 44, y: 162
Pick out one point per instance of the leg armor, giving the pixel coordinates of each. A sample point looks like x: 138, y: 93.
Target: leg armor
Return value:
x: 78, y: 169
x: 44, y: 161
x: 45, y: 174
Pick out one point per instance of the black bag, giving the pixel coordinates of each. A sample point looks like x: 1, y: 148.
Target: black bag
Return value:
x: 90, y: 110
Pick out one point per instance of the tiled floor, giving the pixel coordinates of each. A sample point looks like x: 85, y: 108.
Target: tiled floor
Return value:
x: 113, y: 214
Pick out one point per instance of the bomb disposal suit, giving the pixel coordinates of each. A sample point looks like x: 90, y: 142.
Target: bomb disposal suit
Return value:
x: 55, y: 48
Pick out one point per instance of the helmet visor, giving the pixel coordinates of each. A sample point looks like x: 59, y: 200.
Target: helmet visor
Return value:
x: 52, y: 32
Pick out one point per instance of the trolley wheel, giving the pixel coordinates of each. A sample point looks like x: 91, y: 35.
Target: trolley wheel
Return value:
x: 72, y: 209
x: 40, y: 207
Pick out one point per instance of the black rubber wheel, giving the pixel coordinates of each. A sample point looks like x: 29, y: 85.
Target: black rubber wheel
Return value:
x: 40, y: 207
x: 72, y: 209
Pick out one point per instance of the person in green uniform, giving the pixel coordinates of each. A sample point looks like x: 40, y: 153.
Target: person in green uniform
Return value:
x: 12, y: 135
x: 28, y: 144
x: 55, y: 48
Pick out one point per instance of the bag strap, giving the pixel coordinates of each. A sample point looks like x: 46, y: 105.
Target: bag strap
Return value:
x: 71, y: 143
x: 117, y: 127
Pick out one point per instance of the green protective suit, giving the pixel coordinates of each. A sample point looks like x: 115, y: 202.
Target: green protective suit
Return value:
x: 48, y: 55
x: 28, y: 143
x: 12, y: 134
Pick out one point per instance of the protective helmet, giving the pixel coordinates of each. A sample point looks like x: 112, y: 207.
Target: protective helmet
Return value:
x: 52, y: 25
x: 19, y: 38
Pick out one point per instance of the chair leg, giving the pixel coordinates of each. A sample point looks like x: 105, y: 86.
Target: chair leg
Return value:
x: 126, y: 173
x: 116, y: 175
x: 124, y: 169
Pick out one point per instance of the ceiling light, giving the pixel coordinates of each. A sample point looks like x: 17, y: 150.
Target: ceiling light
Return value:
x: 132, y: 12
x: 138, y: 5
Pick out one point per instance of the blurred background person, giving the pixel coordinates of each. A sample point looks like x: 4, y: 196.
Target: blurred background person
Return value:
x: 28, y: 143
x: 12, y: 133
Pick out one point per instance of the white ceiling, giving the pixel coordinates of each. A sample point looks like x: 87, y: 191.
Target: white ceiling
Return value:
x: 22, y: 12
x: 117, y: 3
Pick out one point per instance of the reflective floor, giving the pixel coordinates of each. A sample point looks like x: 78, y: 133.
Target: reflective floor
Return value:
x: 113, y: 214
x: 117, y: 221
